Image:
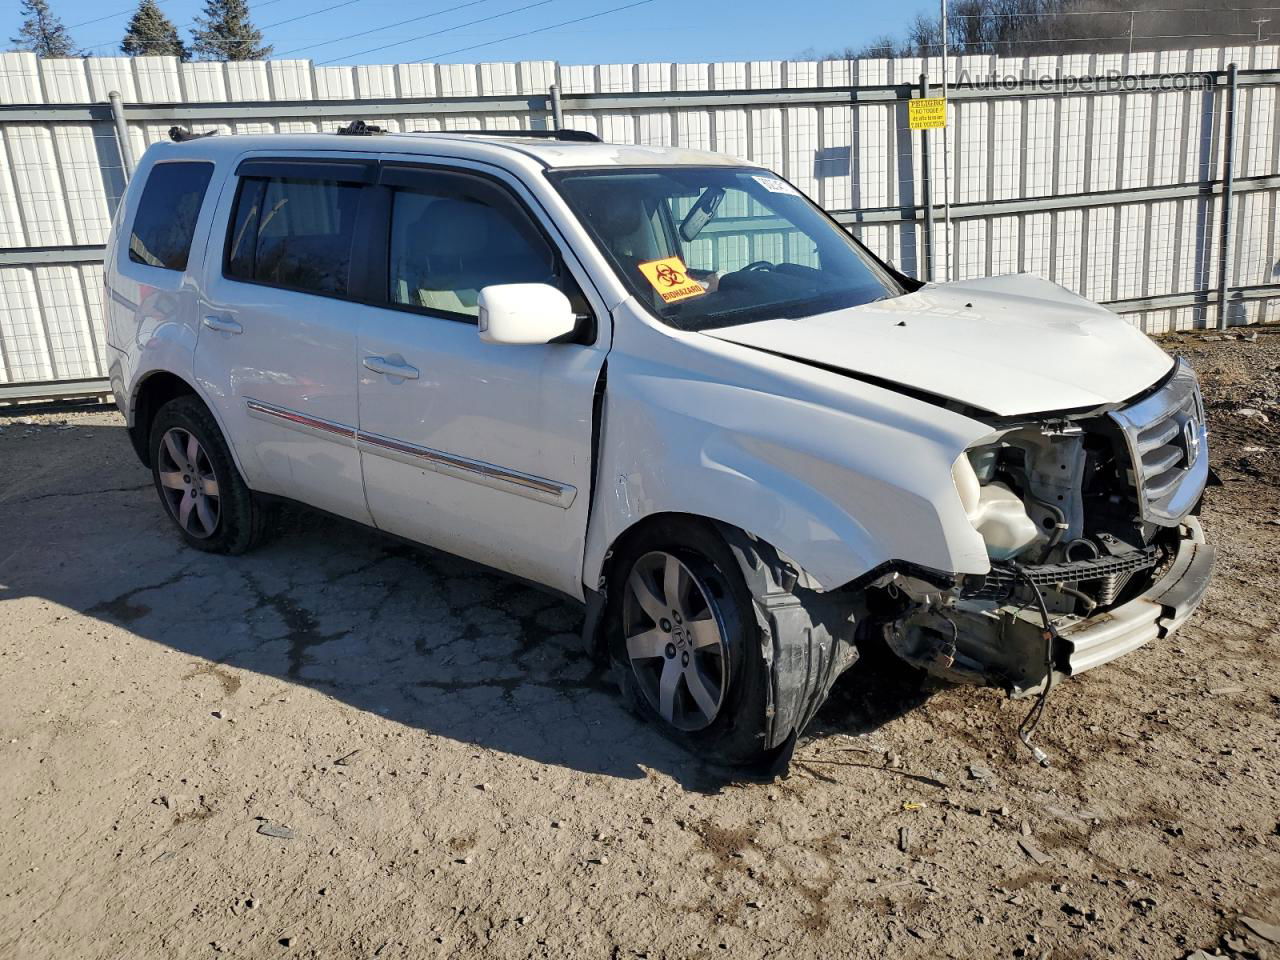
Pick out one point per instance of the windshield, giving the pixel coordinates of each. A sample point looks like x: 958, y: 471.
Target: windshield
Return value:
x: 708, y: 247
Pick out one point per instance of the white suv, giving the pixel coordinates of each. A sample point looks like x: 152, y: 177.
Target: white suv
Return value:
x: 666, y: 384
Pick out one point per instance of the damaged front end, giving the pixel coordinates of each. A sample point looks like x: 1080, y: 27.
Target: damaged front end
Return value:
x: 1094, y: 547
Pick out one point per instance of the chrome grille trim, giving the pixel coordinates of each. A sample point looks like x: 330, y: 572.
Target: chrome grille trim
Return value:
x: 1164, y: 432
x: 1161, y: 459
x: 1168, y: 447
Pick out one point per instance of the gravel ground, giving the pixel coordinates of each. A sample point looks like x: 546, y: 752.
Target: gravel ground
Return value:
x: 339, y: 746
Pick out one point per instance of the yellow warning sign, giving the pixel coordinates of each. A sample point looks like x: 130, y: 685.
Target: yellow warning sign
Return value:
x: 927, y: 113
x: 670, y: 277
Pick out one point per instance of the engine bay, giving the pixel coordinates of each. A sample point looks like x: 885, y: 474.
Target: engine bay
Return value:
x: 1067, y: 509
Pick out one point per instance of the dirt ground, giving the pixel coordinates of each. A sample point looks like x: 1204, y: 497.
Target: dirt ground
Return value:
x: 342, y: 747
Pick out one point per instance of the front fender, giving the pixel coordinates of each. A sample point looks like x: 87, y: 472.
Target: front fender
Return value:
x: 836, y: 477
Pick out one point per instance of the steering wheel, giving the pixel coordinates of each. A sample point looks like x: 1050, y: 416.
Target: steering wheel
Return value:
x: 759, y: 265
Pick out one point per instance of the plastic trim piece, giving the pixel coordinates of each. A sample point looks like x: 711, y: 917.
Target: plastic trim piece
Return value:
x: 309, y: 168
x: 1156, y: 613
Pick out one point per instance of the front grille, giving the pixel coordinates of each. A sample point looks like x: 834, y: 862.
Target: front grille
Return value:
x: 1166, y: 439
x: 1003, y: 579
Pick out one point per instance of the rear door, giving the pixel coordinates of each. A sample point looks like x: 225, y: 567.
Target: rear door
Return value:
x: 277, y: 344
x: 483, y: 450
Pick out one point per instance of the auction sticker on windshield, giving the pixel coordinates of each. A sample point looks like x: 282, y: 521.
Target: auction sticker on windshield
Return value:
x: 670, y: 277
x: 774, y: 184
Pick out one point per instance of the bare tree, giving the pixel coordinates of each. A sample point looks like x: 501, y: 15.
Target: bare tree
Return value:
x: 1115, y: 26
x: 882, y: 46
x: 924, y: 37
x: 1028, y: 27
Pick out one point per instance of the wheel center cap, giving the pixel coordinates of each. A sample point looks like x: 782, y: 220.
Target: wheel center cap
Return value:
x: 678, y: 637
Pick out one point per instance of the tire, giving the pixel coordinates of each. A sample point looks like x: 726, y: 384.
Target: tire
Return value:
x: 210, y: 505
x: 756, y: 678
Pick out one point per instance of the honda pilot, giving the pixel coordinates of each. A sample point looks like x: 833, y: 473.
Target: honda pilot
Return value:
x: 667, y: 385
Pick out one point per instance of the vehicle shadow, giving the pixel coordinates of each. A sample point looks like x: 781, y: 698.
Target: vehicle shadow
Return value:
x: 421, y: 638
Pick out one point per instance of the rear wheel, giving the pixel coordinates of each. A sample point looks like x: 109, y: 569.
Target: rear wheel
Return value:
x: 198, y: 482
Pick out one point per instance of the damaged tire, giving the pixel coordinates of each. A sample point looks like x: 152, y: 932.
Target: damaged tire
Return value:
x: 712, y: 640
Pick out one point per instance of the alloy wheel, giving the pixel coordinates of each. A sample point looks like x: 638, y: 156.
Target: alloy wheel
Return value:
x: 188, y: 483
x: 675, y: 641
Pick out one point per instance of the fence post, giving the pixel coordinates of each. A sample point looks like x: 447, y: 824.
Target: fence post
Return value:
x: 557, y: 115
x: 926, y: 190
x: 1228, y: 180
x: 122, y: 134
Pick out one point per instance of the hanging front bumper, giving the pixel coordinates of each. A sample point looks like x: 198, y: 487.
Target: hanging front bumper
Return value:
x: 1156, y: 613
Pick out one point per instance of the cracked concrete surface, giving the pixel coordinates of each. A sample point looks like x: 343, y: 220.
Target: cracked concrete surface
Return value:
x: 461, y: 781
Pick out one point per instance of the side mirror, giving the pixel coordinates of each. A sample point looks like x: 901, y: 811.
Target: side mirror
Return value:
x: 525, y: 313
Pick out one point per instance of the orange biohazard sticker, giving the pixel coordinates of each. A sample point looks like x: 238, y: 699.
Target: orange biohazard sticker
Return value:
x: 670, y: 277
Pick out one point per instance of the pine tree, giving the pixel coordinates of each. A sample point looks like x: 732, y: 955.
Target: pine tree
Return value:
x: 151, y: 34
x: 225, y: 33
x: 43, y: 33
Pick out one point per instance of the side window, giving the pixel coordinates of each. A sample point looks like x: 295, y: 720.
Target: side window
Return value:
x: 166, y: 217
x: 451, y: 236
x: 293, y: 233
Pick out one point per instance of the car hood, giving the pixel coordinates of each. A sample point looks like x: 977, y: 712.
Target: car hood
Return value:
x: 1009, y: 345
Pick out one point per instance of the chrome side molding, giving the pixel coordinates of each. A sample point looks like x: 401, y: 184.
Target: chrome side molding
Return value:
x: 463, y: 468
x: 314, y: 426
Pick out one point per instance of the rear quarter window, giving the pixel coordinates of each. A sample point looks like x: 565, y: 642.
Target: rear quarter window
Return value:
x: 166, y: 218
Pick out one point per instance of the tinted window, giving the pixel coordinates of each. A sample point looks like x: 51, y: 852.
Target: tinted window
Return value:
x: 452, y: 236
x: 166, y: 217
x: 293, y: 233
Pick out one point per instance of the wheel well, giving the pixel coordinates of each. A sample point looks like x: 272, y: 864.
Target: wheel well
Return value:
x: 763, y: 566
x: 592, y: 627
x: 154, y: 392
x: 637, y: 528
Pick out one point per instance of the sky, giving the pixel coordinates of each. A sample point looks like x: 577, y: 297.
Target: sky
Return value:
x: 649, y: 30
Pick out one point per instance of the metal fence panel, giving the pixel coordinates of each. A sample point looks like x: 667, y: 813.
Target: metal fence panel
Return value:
x: 1114, y: 193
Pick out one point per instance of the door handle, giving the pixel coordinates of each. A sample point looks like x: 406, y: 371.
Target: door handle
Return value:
x: 223, y: 325
x: 391, y: 368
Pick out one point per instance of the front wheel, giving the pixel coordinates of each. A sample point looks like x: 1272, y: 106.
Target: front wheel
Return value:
x: 685, y: 645
x: 198, y: 482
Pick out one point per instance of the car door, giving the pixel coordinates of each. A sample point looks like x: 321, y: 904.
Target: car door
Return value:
x: 483, y: 450
x: 277, y: 345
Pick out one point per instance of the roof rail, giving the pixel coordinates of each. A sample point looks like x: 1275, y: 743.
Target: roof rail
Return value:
x: 182, y: 134
x: 358, y: 128
x: 577, y: 136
